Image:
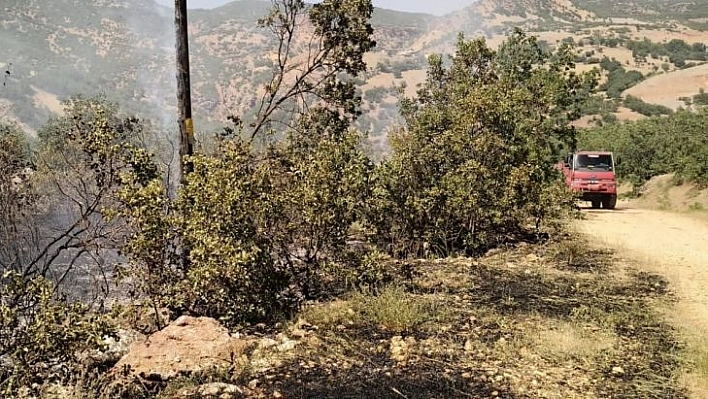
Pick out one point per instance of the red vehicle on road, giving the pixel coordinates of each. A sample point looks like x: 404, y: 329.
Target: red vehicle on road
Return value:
x: 591, y: 176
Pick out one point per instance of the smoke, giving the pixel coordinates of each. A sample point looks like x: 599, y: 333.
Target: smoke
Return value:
x: 156, y: 84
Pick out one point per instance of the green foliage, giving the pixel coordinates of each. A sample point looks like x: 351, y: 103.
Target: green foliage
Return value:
x: 376, y: 94
x: 598, y: 105
x: 396, y: 310
x: 42, y: 337
x: 263, y: 228
x: 232, y: 274
x: 263, y: 225
x: 701, y: 98
x: 14, y: 151
x: 618, y: 79
x: 658, y: 145
x: 636, y: 104
x: 473, y: 164
x: 342, y: 33
x: 678, y: 51
x: 18, y: 199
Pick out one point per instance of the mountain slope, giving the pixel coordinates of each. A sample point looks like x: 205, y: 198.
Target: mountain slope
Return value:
x: 125, y: 49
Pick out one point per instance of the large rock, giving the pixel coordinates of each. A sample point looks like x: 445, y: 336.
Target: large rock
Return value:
x: 185, y: 346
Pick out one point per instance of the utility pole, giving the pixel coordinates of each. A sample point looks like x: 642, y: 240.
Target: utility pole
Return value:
x: 184, y: 106
x: 184, y: 95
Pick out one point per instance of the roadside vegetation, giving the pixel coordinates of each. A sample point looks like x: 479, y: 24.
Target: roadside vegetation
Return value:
x: 656, y: 146
x: 284, y: 217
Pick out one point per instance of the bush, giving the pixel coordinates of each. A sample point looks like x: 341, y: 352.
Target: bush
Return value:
x: 264, y: 228
x: 701, y: 98
x: 638, y: 105
x: 473, y: 164
x: 43, y: 338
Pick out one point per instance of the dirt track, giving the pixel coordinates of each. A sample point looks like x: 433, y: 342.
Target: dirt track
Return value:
x: 670, y: 244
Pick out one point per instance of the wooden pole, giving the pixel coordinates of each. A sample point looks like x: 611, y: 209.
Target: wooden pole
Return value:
x: 184, y: 106
x: 184, y: 95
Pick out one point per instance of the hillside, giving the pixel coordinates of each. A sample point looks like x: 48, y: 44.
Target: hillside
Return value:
x: 124, y: 48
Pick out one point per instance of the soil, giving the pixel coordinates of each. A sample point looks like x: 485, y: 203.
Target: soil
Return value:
x: 671, y: 244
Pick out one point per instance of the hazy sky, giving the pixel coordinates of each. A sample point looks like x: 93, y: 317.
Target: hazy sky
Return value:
x: 437, y: 7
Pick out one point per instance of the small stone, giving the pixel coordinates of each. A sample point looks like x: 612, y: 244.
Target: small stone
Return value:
x: 253, y: 384
x: 267, y: 343
x: 277, y: 395
x: 287, y: 346
x: 532, y: 257
x: 617, y: 370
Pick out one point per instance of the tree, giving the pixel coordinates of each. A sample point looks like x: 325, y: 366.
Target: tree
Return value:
x: 342, y: 34
x: 264, y: 223
x: 472, y: 165
x: 50, y: 225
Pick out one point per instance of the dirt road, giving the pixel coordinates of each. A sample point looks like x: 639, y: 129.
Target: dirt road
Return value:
x: 670, y: 244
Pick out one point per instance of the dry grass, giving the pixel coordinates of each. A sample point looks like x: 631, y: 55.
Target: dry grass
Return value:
x: 567, y: 340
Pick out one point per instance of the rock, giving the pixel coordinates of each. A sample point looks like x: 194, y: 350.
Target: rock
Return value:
x: 400, y: 349
x: 287, y: 346
x: 617, y: 370
x: 212, y: 390
x: 298, y: 333
x: 267, y: 343
x: 185, y: 346
x: 120, y: 345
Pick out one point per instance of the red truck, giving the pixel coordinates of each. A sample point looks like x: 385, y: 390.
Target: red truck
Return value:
x: 591, y: 176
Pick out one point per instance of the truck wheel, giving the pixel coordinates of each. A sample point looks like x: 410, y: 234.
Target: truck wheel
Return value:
x: 609, y: 203
x: 595, y: 204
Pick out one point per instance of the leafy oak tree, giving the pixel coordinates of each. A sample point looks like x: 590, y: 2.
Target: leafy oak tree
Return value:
x: 472, y: 165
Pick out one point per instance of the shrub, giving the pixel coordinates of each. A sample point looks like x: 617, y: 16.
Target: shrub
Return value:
x: 638, y: 105
x: 473, y: 164
x: 42, y: 337
x: 263, y: 228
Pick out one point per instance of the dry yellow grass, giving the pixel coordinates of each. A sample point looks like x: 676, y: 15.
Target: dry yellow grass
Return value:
x: 665, y: 89
x: 567, y: 340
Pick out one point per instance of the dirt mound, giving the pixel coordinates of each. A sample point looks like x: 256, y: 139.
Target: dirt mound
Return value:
x: 185, y: 346
x: 663, y: 193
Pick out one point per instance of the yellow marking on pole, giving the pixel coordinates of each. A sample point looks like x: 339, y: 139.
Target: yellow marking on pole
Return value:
x: 189, y: 125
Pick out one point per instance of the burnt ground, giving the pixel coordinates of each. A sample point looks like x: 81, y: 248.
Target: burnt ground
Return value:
x: 560, y: 320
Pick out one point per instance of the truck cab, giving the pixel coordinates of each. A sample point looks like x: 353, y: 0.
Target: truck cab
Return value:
x: 591, y: 176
